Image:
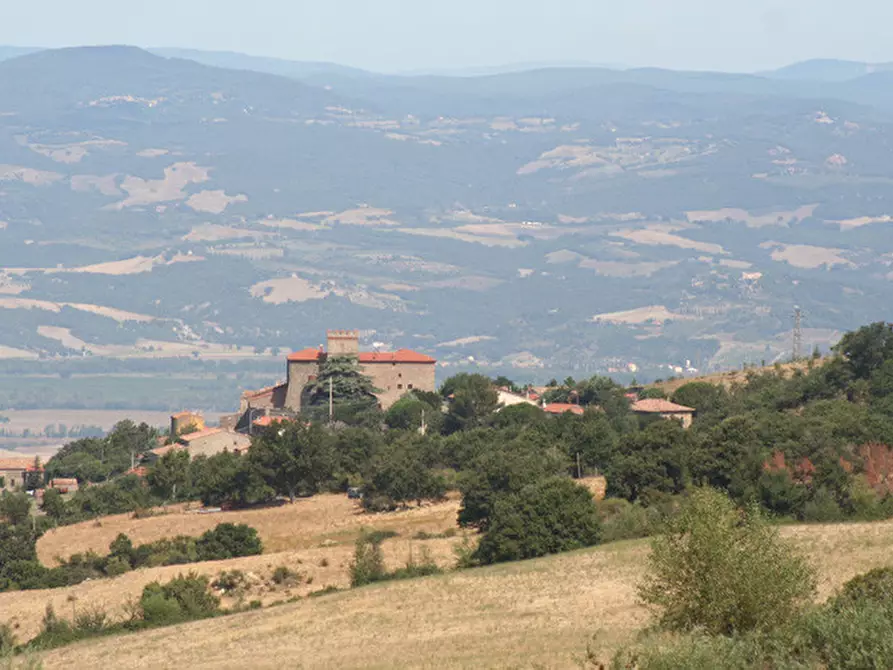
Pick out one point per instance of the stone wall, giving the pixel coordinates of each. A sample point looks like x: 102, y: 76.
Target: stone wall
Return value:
x: 394, y: 380
x: 299, y: 374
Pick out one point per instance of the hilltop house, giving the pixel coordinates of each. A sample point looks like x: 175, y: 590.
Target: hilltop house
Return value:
x: 665, y: 409
x: 14, y: 472
x: 393, y: 373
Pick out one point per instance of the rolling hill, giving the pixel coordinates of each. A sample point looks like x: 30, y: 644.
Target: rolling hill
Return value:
x: 540, y: 613
x: 540, y: 223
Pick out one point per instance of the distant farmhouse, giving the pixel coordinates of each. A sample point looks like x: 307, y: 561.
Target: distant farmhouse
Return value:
x: 393, y: 373
x: 664, y: 409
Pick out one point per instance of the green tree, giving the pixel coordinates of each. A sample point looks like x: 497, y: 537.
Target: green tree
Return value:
x: 398, y: 474
x: 653, y: 460
x: 724, y: 570
x: 547, y: 517
x: 229, y: 479
x: 412, y: 409
x: 15, y: 508
x: 473, y: 401
x: 294, y: 458
x: 348, y: 383
x: 868, y: 348
x: 502, y: 470
x: 53, y: 504
x: 170, y: 476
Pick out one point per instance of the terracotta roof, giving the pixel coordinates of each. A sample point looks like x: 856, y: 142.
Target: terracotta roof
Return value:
x: 200, y: 434
x: 306, y: 355
x: 17, y: 464
x: 562, y: 407
x: 658, y: 406
x: 139, y: 471
x: 161, y: 451
x: 265, y: 421
x: 269, y: 390
x: 399, y: 356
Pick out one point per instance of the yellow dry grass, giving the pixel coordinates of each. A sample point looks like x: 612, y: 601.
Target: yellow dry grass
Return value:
x: 531, y: 614
x: 315, y: 537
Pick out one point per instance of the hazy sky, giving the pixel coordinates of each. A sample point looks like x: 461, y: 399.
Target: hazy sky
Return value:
x: 393, y: 35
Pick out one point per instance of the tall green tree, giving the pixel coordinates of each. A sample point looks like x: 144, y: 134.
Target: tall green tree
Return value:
x: 170, y: 477
x: 294, y: 458
x: 868, y: 348
x: 347, y: 381
x: 546, y: 517
x: 473, y: 400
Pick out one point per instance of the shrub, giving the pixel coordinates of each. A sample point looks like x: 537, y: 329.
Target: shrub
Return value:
x: 230, y: 581
x: 7, y: 639
x: 283, y: 575
x: 421, y: 567
x: 548, y: 517
x: 91, y: 621
x: 229, y: 541
x: 622, y: 520
x: 116, y: 566
x: 182, y: 598
x: 368, y: 562
x: 724, y: 570
x: 378, y: 536
x: 874, y: 587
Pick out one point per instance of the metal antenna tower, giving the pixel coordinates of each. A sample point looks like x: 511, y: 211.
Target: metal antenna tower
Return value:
x: 798, y: 333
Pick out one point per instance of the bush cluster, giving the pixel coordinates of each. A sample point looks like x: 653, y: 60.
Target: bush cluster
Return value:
x: 225, y: 541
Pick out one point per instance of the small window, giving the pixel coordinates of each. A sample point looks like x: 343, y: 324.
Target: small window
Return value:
x: 399, y: 387
x: 409, y: 386
x: 400, y: 375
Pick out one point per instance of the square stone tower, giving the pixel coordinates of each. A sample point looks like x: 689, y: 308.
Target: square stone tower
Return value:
x: 343, y: 342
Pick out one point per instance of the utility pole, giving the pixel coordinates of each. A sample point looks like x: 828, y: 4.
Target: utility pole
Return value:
x: 579, y: 467
x: 798, y: 333
x: 423, y: 430
x: 331, y: 402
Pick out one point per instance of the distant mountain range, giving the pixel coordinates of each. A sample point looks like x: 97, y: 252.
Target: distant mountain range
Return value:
x: 542, y: 223
x: 815, y: 70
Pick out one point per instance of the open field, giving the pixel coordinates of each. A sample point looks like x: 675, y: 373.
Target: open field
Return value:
x: 315, y: 537
x: 534, y: 614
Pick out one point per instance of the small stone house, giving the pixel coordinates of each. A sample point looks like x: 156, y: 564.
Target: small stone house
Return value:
x: 214, y: 441
x: 665, y: 409
x: 14, y: 471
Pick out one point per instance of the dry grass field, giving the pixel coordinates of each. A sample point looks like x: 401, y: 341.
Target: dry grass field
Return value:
x: 534, y: 614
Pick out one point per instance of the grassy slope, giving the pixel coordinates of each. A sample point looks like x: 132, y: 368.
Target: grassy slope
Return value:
x: 532, y: 614
x: 731, y: 377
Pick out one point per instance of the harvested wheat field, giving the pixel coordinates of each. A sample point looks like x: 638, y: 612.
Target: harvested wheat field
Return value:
x: 540, y: 613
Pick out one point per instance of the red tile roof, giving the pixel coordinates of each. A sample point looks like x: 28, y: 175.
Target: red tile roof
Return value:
x: 161, y: 451
x: 658, y: 406
x: 200, y: 434
x: 306, y: 355
x: 562, y: 407
x: 17, y: 464
x: 139, y: 471
x: 265, y: 421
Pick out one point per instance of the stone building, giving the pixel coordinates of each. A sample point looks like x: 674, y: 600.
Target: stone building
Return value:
x: 14, y: 472
x: 665, y: 409
x: 393, y: 373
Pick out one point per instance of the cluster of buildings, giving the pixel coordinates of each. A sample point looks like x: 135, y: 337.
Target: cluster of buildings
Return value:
x: 393, y: 374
